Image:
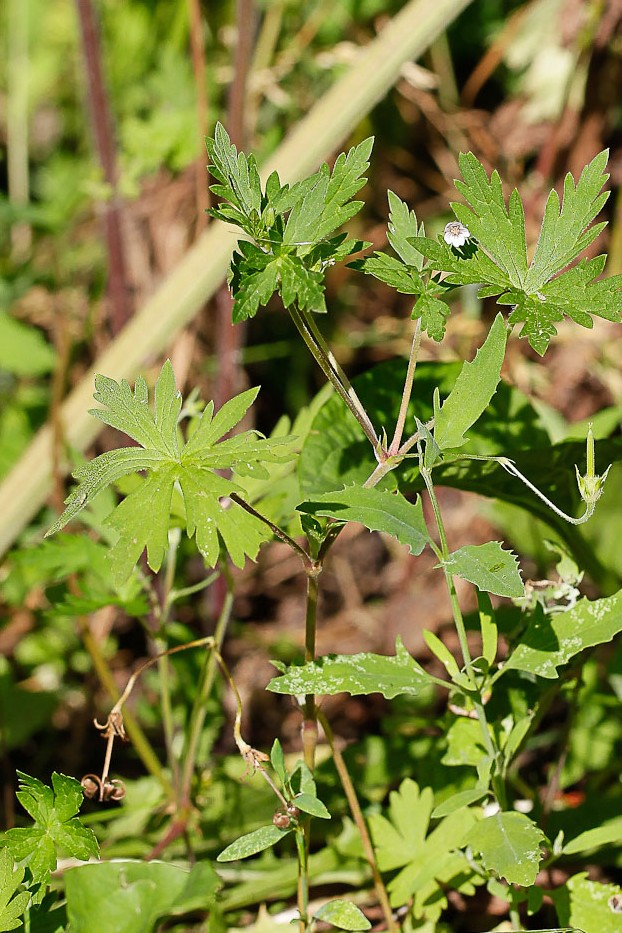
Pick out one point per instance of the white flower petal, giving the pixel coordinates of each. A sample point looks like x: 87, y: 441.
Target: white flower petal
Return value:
x: 455, y: 233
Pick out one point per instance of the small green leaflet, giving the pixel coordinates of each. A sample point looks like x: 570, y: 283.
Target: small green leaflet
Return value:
x: 378, y: 510
x: 142, y: 519
x: 344, y: 915
x: 474, y: 388
x: 459, y: 801
x: 543, y: 291
x: 407, y: 273
x: 608, y: 833
x: 293, y: 229
x: 55, y: 826
x: 13, y: 905
x: 509, y: 844
x: 489, y: 567
x: 239, y: 182
x: 553, y: 639
x: 311, y: 805
x: 355, y: 674
x: 252, y: 843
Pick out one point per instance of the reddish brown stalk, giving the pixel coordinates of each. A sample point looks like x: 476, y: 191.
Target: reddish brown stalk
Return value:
x: 230, y: 337
x: 197, y: 49
x: 102, y: 129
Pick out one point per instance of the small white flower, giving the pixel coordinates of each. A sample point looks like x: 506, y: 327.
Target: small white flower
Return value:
x: 455, y: 233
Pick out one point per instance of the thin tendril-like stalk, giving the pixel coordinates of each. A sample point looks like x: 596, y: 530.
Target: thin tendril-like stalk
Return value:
x: 199, y: 707
x: 359, y: 819
x: 510, y: 467
x: 137, y: 736
x: 276, y: 531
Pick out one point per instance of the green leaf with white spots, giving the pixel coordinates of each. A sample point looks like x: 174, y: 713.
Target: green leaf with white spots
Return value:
x: 355, y: 674
x: 508, y: 845
x: 552, y: 639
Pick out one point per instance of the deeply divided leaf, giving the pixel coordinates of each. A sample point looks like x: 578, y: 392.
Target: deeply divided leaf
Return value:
x: 543, y: 291
x: 141, y: 521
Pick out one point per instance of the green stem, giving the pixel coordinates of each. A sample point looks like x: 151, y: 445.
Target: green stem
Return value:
x: 309, y: 726
x: 515, y: 919
x: 493, y: 751
x: 206, y: 682
x: 302, y: 848
x: 451, y: 586
x: 327, y: 364
x: 174, y: 595
x: 276, y: 531
x: 164, y: 667
x: 408, y: 385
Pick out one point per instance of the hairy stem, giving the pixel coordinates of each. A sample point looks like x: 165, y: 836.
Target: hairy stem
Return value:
x: 492, y: 750
x: 309, y: 726
x: 326, y: 362
x: 444, y: 555
x: 302, y: 848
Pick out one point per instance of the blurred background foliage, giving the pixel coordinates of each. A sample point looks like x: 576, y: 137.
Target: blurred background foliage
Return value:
x: 103, y: 188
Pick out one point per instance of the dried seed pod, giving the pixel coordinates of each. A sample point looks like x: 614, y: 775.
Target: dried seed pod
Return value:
x: 293, y: 811
x: 90, y: 785
x: 281, y: 819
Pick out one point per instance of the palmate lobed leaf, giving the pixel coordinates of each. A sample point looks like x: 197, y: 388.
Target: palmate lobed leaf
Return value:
x: 12, y: 905
x: 142, y: 519
x: 406, y: 272
x: 429, y: 861
x: 286, y: 223
x: 55, y: 826
x: 541, y: 292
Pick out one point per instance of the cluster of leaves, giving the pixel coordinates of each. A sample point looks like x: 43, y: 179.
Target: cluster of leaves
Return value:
x: 292, y: 228
x: 201, y: 481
